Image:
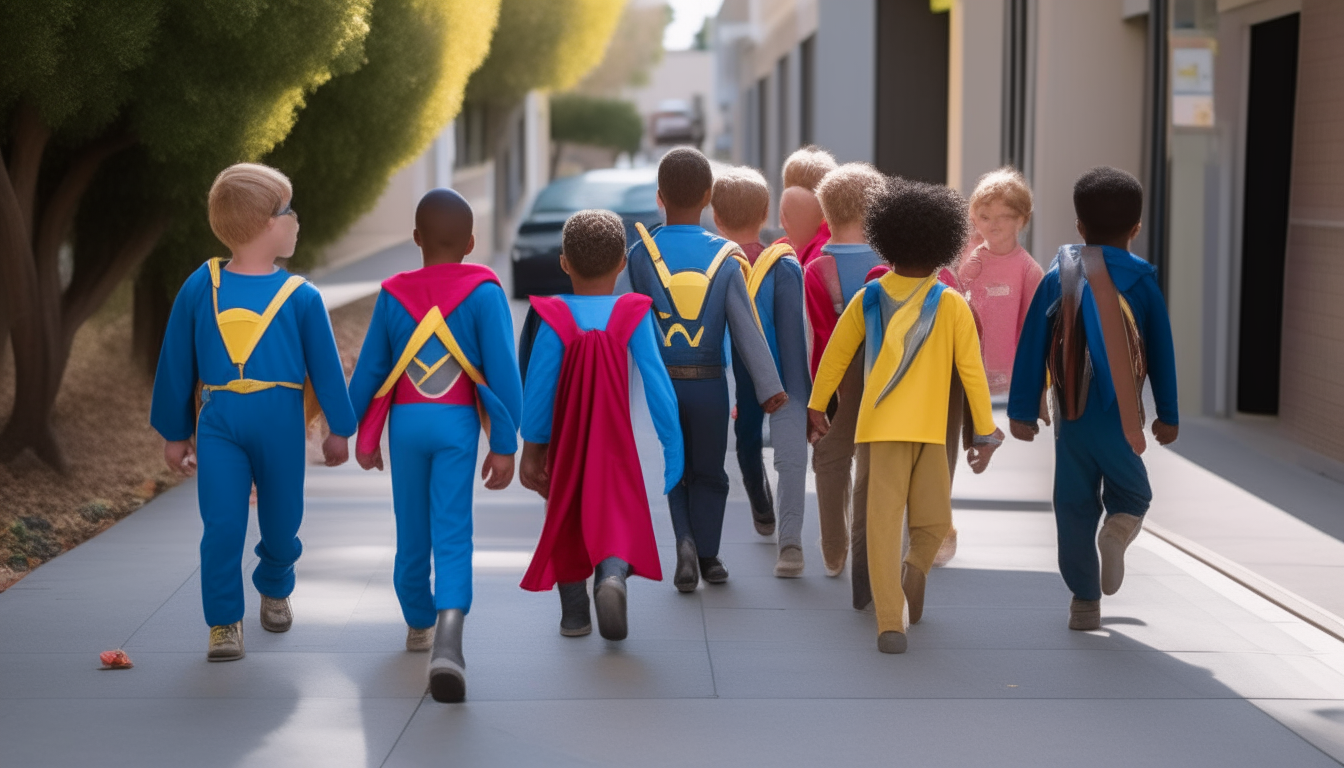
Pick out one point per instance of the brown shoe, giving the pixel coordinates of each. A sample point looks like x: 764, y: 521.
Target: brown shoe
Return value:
x: 913, y: 581
x: 1117, y: 533
x: 1084, y: 615
x: 891, y: 642
x: 226, y: 642
x: 276, y: 614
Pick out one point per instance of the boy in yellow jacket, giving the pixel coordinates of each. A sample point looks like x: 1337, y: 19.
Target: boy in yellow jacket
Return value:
x: 913, y: 331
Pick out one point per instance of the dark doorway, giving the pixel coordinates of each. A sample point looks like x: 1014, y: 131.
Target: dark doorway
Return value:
x: 1271, y: 96
x: 912, y: 51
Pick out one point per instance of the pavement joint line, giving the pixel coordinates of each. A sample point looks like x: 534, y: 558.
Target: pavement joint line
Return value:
x: 1289, y: 601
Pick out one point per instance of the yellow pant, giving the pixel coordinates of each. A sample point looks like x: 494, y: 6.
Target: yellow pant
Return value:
x: 902, y: 473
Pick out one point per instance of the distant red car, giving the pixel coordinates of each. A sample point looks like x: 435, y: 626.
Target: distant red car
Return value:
x: 677, y: 122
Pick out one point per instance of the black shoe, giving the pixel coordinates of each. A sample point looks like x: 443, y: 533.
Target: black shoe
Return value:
x: 687, y: 576
x: 763, y: 512
x: 609, y: 594
x: 711, y: 568
x: 574, y: 615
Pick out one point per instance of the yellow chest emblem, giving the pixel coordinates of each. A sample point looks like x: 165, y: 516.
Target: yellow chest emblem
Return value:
x: 687, y: 289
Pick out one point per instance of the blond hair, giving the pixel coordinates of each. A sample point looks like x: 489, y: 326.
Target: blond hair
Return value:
x: 806, y: 166
x: 1005, y: 185
x: 844, y: 192
x: 741, y: 197
x: 243, y: 199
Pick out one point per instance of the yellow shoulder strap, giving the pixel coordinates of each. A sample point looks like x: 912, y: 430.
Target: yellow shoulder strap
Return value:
x: 663, y: 273
x: 729, y: 249
x: 447, y: 339
x: 431, y: 325
x: 756, y: 273
x: 286, y: 290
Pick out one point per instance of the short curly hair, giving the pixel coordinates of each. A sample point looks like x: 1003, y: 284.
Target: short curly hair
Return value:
x: 593, y: 241
x: 916, y: 227
x: 806, y: 167
x: 684, y: 176
x: 741, y: 197
x: 1108, y: 201
x: 843, y: 193
x: 1006, y: 185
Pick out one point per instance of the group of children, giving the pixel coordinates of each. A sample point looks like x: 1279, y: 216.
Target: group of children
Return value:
x: 868, y: 331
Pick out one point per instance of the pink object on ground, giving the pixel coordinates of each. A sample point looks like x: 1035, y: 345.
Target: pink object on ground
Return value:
x: 999, y: 289
x: 115, y: 659
x: 597, y: 506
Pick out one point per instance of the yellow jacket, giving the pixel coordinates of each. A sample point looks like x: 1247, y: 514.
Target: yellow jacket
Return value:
x: 916, y: 410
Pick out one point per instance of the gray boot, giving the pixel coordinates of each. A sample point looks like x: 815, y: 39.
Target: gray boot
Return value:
x: 610, y: 595
x: 575, y: 619
x: 447, y: 668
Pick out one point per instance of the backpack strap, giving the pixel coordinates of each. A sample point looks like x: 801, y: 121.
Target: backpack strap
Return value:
x: 1119, y: 355
x: 830, y: 277
x: 240, y: 354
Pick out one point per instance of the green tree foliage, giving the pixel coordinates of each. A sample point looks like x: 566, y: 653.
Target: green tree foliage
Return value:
x: 636, y: 47
x: 362, y: 127
x: 134, y: 104
x: 544, y: 44
x: 611, y: 123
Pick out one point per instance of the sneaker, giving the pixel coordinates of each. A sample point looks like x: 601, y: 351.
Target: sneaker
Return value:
x: 609, y: 596
x: 947, y: 550
x: 763, y: 515
x: 276, y: 615
x: 913, y: 582
x: 226, y: 642
x: 447, y: 667
x: 1084, y: 615
x: 790, y: 563
x: 891, y: 642
x: 687, y: 576
x: 575, y: 619
x: 713, y: 571
x: 418, y: 639
x: 1117, y: 533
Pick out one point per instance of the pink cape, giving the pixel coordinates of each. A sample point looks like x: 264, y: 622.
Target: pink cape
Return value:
x: 597, y: 507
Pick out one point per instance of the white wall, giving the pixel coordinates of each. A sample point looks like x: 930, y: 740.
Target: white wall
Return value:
x: 975, y: 91
x: 846, y: 79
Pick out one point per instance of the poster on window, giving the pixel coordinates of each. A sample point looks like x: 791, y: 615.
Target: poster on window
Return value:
x: 1192, y: 87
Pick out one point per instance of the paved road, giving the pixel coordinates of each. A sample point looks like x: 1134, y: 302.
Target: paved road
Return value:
x: 1189, y: 669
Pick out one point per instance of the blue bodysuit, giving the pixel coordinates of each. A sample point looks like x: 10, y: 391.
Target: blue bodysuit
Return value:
x: 433, y: 446
x: 1095, y: 466
x: 245, y: 438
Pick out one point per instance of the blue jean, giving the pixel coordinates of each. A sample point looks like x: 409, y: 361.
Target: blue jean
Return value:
x: 433, y: 454
x: 1095, y: 469
x: 241, y: 439
x: 698, y: 501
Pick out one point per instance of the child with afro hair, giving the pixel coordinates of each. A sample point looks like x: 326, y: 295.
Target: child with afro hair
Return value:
x: 913, y: 332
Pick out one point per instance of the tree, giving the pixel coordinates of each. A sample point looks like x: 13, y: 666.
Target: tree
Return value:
x: 635, y: 48
x: 118, y: 114
x: 579, y: 119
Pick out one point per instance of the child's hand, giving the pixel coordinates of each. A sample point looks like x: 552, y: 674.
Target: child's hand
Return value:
x: 1023, y: 430
x: 775, y: 403
x: 817, y: 425
x: 336, y: 450
x: 497, y: 472
x: 981, y: 452
x: 181, y: 457
x: 532, y: 472
x: 370, y: 460
x: 1164, y: 432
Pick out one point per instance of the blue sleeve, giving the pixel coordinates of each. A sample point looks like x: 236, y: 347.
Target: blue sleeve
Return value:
x: 1160, y: 349
x: 790, y: 331
x: 498, y: 364
x: 375, y: 357
x: 172, y: 412
x: 662, y: 399
x: 1024, y: 398
x: 542, y: 380
x: 324, y: 364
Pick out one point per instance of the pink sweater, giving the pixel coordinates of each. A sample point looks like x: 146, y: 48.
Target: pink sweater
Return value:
x: 999, y: 289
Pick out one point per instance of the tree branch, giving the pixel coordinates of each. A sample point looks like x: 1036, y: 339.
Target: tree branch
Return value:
x: 25, y: 160
x: 89, y: 290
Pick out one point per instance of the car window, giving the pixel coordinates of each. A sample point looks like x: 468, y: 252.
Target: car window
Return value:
x: 576, y: 194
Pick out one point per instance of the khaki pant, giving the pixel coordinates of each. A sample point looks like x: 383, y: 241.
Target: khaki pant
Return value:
x: 832, y: 460
x: 904, y: 473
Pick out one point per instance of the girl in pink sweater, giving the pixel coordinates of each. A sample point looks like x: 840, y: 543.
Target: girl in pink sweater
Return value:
x: 999, y: 277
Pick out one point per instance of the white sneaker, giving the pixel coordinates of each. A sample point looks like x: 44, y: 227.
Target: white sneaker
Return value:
x: 419, y: 640
x: 1117, y: 533
x: 226, y: 642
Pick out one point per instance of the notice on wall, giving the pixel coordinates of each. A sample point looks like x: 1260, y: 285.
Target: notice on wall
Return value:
x: 1192, y: 86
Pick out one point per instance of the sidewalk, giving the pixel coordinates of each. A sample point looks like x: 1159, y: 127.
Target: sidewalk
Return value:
x: 1189, y: 669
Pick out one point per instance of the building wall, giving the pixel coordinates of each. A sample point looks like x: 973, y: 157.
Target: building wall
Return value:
x: 1312, y: 384
x: 845, y: 121
x: 686, y: 75
x: 1089, y: 73
x: 975, y: 91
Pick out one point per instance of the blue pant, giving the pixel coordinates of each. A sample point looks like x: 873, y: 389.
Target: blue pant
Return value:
x: 698, y: 501
x: 241, y: 439
x: 1095, y: 468
x: 433, y: 454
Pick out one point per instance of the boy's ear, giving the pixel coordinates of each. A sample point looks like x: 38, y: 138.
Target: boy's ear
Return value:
x: 415, y: 235
x: 1134, y: 233
x: 471, y: 245
x: 717, y: 224
x: 1082, y: 232
x: 704, y: 201
x: 564, y: 265
x: 662, y: 206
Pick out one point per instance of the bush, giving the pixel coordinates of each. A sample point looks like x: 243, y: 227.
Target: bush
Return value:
x: 610, y: 123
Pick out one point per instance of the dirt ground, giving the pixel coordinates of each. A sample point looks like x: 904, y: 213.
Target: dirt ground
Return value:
x: 115, y: 460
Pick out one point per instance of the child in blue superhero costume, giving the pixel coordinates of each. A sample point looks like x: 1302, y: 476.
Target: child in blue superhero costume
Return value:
x: 698, y: 292
x: 438, y: 364
x: 246, y: 335
x: 774, y: 278
x: 1098, y: 323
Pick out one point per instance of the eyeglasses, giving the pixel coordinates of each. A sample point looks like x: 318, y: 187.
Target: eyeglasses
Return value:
x: 287, y: 210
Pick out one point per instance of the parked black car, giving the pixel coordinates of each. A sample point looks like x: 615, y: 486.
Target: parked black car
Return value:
x: 628, y: 192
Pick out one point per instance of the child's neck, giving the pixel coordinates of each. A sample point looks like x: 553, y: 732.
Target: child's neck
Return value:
x: 252, y: 261
x: 1122, y: 243
x: 847, y: 234
x: 744, y: 236
x: 682, y: 216
x: 912, y: 274
x: 434, y: 258
x: 595, y: 286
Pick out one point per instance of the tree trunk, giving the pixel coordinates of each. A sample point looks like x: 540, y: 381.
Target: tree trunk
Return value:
x: 149, y: 321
